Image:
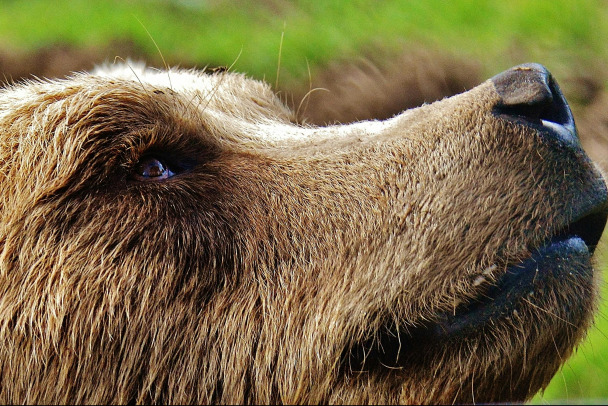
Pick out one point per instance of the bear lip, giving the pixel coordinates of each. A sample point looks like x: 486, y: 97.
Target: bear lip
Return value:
x: 564, y: 256
x: 574, y: 243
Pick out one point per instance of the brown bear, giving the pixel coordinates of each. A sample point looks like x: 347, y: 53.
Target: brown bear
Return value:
x: 175, y: 237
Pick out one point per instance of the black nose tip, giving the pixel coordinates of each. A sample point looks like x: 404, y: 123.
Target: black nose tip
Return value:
x: 529, y: 94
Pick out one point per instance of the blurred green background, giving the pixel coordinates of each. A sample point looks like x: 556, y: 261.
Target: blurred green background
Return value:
x: 569, y: 37
x: 566, y: 36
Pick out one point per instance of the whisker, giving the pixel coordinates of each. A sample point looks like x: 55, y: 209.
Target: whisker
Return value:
x: 137, y: 77
x: 548, y: 312
x: 276, y: 85
x: 159, y: 52
x: 306, y: 98
x: 220, y: 81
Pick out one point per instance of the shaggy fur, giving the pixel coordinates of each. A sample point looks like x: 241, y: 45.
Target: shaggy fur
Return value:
x: 282, y: 263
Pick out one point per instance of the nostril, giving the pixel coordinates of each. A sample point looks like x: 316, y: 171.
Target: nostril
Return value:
x: 548, y: 108
x: 523, y: 85
x: 558, y: 111
x: 529, y: 93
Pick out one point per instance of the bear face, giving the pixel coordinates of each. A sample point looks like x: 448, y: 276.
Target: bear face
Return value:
x: 175, y: 237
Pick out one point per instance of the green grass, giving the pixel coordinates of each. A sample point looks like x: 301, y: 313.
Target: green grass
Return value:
x: 560, y: 33
x: 585, y: 374
x: 567, y: 36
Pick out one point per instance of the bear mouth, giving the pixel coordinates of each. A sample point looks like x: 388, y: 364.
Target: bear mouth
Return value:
x: 564, y: 257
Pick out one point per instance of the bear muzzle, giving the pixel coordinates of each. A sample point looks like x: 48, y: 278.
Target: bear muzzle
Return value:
x: 529, y: 96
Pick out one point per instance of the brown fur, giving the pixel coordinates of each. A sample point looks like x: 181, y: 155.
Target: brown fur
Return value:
x: 265, y: 271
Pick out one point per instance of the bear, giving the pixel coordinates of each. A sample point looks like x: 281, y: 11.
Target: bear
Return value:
x: 177, y: 236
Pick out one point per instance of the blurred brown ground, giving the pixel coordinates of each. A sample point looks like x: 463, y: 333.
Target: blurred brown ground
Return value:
x: 374, y: 86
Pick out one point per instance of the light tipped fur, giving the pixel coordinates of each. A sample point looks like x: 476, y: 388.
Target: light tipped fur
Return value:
x: 276, y: 265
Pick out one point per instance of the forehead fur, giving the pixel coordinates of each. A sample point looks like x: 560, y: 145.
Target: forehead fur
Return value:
x: 230, y: 93
x: 231, y: 101
x: 235, y: 109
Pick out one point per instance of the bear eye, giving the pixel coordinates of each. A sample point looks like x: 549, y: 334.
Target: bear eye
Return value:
x: 152, y: 168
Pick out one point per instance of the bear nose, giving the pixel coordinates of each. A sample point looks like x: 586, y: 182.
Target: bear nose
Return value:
x: 529, y: 95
